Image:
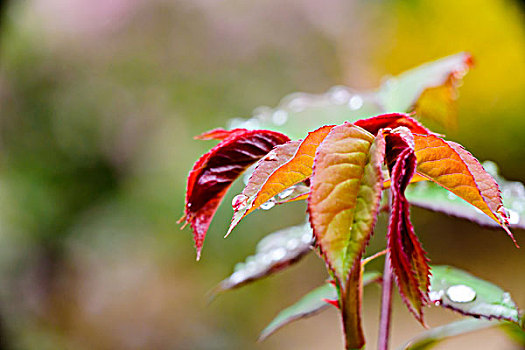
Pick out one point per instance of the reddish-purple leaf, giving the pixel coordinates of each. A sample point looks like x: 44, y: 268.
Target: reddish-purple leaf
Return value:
x: 218, y: 134
x: 215, y: 171
x: 408, y: 259
x: 392, y: 120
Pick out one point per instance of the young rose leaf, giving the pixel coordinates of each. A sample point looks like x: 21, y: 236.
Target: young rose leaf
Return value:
x: 345, y: 193
x: 401, y: 93
x: 311, y: 304
x: 273, y: 253
x: 285, y: 166
x: 392, y: 120
x: 449, y: 165
x: 458, y: 290
x: 407, y: 257
x: 432, y: 337
x: 215, y: 171
x: 346, y: 187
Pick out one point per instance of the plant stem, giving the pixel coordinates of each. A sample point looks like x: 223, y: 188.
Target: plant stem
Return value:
x: 386, y: 306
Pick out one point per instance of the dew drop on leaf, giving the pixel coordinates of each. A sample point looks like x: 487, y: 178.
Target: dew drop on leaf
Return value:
x: 355, y: 102
x: 237, y: 277
x: 461, y: 293
x: 279, y: 117
x: 306, y: 238
x: 339, y: 95
x: 268, y: 205
x: 278, y: 254
x: 239, y: 202
x: 514, y: 217
x: 286, y: 192
x: 292, y: 244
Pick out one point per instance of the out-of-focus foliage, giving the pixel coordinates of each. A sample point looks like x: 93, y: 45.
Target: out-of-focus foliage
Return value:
x: 99, y: 101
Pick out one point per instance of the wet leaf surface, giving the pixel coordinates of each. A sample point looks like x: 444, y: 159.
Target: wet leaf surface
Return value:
x: 273, y: 253
x: 460, y: 291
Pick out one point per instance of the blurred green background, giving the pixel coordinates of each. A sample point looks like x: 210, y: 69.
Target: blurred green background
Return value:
x: 99, y: 102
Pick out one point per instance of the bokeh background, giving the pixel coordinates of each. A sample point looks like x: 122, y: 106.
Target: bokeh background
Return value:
x: 99, y: 101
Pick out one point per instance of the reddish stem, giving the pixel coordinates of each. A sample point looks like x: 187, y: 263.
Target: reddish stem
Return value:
x: 386, y: 306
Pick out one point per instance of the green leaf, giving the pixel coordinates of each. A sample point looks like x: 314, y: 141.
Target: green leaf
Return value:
x: 400, y: 93
x: 458, y: 290
x: 431, y: 337
x: 430, y: 196
x: 273, y: 253
x: 310, y: 304
x: 300, y: 112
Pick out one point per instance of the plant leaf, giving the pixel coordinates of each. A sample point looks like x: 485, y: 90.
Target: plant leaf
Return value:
x: 401, y: 93
x: 392, y: 120
x: 407, y: 257
x: 460, y: 291
x: 282, y: 168
x: 431, y: 337
x: 215, y: 171
x: 452, y: 167
x: 309, y: 305
x: 346, y: 187
x: 273, y: 253
x: 429, y: 195
x: 345, y: 193
x: 300, y: 112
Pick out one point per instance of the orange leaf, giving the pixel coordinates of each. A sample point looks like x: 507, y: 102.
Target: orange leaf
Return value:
x: 451, y: 166
x: 284, y: 167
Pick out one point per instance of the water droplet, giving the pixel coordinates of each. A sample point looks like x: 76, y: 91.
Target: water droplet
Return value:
x: 268, y: 205
x: 339, y: 95
x: 461, y: 293
x: 292, y: 244
x: 279, y: 117
x: 237, y: 277
x: 355, y: 102
x: 272, y: 156
x: 297, y: 104
x: 277, y: 254
x: 435, y: 296
x: 306, y: 238
x: 264, y: 259
x: 514, y: 217
x: 451, y: 196
x: 506, y: 298
x: 239, y: 202
x: 286, y: 192
x: 251, y: 267
x: 514, y: 191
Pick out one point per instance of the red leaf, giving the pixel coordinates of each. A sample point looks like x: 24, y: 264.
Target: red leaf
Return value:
x: 218, y: 134
x: 392, y: 120
x: 408, y: 259
x: 215, y: 171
